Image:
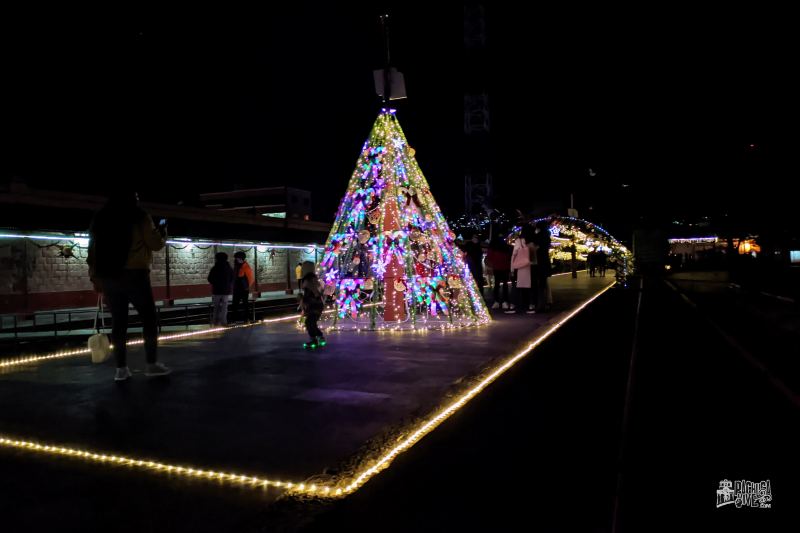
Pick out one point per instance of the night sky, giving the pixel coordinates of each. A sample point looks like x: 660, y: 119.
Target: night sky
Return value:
x: 194, y: 102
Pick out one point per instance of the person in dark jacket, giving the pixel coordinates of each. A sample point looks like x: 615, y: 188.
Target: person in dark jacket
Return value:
x: 312, y: 306
x: 474, y: 253
x: 543, y: 269
x: 221, y: 279
x: 499, y: 260
x: 242, y: 281
x: 122, y: 240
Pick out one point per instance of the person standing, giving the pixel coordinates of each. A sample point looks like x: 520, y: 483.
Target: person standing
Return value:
x: 298, y: 273
x: 602, y: 262
x: 543, y: 271
x: 522, y: 259
x: 242, y: 281
x: 474, y: 253
x: 221, y: 279
x: 499, y: 260
x: 312, y: 306
x: 122, y: 240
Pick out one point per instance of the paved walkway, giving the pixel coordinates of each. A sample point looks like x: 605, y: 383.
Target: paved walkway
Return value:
x: 252, y: 400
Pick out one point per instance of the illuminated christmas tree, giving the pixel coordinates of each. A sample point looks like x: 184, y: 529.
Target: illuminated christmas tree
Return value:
x: 391, y: 259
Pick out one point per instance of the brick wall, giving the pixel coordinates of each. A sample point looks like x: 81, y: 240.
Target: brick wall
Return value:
x: 38, y: 275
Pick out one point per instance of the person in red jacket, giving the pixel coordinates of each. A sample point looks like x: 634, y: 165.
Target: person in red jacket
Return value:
x: 498, y: 258
x: 242, y: 281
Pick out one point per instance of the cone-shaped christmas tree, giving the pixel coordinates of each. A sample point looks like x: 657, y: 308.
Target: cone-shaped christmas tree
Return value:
x: 391, y: 260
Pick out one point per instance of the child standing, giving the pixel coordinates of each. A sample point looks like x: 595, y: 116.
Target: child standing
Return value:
x: 312, y: 310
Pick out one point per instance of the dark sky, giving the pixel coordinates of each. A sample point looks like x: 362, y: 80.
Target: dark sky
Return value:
x: 667, y: 102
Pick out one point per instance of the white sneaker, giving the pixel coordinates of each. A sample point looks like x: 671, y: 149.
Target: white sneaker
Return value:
x: 496, y: 305
x: 123, y: 374
x: 530, y: 312
x: 505, y: 305
x: 157, y: 369
x: 530, y: 308
x: 511, y: 306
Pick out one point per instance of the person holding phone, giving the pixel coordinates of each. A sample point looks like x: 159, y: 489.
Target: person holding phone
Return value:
x: 122, y: 240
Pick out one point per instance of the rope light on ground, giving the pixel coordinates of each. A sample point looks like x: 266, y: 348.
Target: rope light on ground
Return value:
x: 26, y: 360
x: 429, y: 425
x: 154, y: 466
x: 342, y: 487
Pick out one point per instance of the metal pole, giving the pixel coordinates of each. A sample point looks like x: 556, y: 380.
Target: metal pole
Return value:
x: 289, y: 286
x: 166, y: 261
x: 255, y: 264
x: 386, y: 78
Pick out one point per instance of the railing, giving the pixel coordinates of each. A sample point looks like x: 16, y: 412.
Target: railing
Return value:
x: 49, y: 325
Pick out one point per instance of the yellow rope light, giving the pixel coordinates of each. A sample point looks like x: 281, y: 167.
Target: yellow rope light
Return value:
x: 104, y: 458
x: 344, y: 487
x: 17, y: 361
x: 428, y: 426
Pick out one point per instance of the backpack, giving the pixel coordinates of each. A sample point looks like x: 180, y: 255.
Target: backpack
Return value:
x: 521, y: 257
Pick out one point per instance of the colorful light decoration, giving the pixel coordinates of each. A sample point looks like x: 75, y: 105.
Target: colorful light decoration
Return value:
x: 390, y: 261
x: 586, y: 236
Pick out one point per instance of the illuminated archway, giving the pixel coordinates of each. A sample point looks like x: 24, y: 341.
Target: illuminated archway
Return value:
x: 585, y: 236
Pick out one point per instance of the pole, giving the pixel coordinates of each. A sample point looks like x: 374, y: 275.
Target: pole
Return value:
x: 166, y: 266
x: 289, y: 286
x: 386, y: 77
x: 573, y: 252
x: 255, y: 277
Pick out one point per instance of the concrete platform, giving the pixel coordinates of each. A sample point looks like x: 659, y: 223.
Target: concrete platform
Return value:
x: 253, y: 401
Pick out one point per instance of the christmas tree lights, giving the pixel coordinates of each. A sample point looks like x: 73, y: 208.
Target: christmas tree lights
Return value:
x: 390, y: 261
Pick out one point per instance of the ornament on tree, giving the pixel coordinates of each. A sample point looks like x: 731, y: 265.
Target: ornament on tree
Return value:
x: 410, y: 195
x: 363, y: 236
x: 374, y: 216
x: 400, y: 285
x: 455, y: 282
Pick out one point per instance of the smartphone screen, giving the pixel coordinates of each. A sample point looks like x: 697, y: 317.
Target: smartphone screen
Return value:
x: 162, y: 222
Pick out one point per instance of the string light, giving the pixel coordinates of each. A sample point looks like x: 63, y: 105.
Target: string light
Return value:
x: 691, y: 240
x: 83, y: 240
x: 25, y: 360
x: 155, y: 466
x: 390, y: 245
x: 336, y: 490
x: 349, y: 486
